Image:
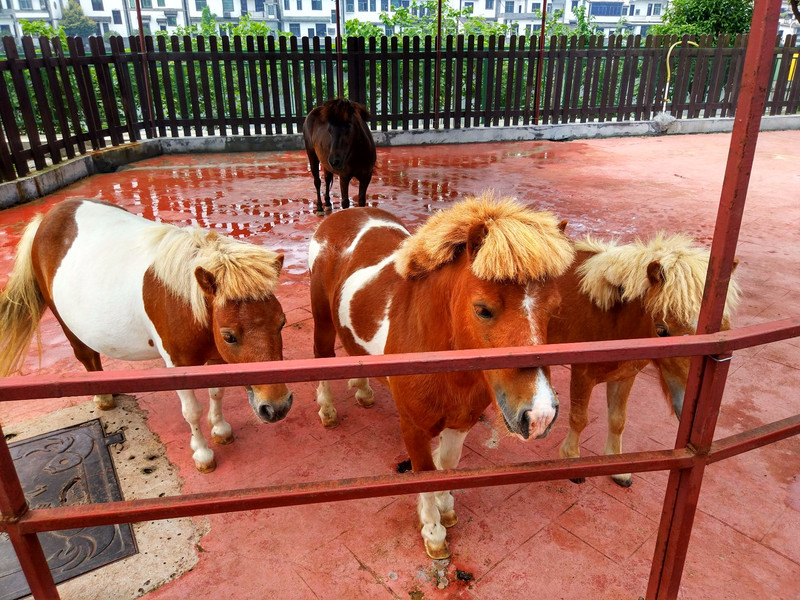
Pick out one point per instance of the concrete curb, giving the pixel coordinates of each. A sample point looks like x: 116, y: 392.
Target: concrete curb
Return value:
x: 28, y: 189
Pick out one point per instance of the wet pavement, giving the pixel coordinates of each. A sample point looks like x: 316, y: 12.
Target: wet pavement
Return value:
x: 544, y: 540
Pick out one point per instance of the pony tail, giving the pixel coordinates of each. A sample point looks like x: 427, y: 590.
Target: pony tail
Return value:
x: 21, y: 305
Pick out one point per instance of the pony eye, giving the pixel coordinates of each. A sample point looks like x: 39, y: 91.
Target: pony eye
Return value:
x: 482, y: 312
x: 662, y: 331
x: 229, y: 337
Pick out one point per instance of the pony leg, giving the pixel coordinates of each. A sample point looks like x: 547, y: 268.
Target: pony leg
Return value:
x: 362, y: 189
x: 221, y: 431
x: 313, y: 162
x: 344, y: 185
x: 327, y: 412
x: 434, y: 534
x: 364, y: 394
x: 328, y: 184
x: 446, y: 456
x: 580, y: 391
x: 617, y: 393
x: 192, y: 411
x: 91, y: 360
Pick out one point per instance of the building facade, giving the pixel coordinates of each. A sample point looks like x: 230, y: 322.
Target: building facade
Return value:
x: 318, y: 17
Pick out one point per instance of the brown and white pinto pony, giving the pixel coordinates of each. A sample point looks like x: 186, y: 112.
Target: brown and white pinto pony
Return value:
x: 638, y: 290
x: 337, y: 136
x: 133, y: 289
x: 477, y: 275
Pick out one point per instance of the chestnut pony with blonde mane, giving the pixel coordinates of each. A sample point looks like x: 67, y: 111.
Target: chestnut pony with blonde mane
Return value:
x: 477, y: 275
x: 132, y: 289
x: 643, y: 289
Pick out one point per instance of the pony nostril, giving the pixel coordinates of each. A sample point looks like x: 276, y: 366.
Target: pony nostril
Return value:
x: 266, y: 412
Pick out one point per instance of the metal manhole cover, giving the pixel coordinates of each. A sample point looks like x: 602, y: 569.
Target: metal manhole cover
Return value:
x: 67, y: 467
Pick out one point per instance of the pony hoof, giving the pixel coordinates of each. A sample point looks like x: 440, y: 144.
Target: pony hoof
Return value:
x: 320, y: 213
x: 622, y: 480
x: 437, y: 552
x: 105, y: 402
x: 222, y: 440
x: 448, y: 519
x: 365, y: 399
x: 578, y: 480
x: 206, y: 467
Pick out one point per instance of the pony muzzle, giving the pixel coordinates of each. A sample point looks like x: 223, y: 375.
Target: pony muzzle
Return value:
x: 530, y: 421
x: 266, y: 408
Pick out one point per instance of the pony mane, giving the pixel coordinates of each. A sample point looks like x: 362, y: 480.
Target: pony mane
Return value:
x: 618, y: 273
x: 341, y: 110
x: 520, y: 244
x: 242, y: 271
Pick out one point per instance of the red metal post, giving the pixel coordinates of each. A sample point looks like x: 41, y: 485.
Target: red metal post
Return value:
x: 26, y: 545
x: 706, y: 377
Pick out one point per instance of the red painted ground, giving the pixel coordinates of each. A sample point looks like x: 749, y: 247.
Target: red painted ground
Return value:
x: 553, y: 540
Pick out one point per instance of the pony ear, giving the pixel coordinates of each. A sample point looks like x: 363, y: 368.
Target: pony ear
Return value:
x: 279, y: 262
x: 475, y: 239
x: 206, y: 281
x: 735, y: 264
x: 362, y: 110
x: 563, y: 226
x: 654, y: 273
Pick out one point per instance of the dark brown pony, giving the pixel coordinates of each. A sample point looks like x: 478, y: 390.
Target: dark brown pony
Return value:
x: 478, y: 275
x: 336, y: 135
x: 614, y: 292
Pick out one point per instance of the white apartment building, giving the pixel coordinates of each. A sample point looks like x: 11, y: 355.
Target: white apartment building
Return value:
x: 318, y: 17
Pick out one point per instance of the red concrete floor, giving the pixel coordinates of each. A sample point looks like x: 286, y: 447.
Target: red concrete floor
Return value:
x: 541, y: 540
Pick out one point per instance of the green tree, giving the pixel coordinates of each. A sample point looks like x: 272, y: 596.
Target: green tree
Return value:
x: 36, y: 29
x: 704, y: 17
x: 75, y: 23
x: 420, y: 19
x: 586, y: 24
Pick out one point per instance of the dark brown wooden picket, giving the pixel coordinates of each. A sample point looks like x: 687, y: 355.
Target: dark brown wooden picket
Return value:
x: 57, y: 103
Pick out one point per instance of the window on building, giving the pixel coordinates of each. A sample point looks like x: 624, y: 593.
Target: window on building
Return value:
x: 509, y: 6
x: 536, y: 6
x: 25, y: 5
x: 373, y: 6
x: 172, y: 20
x: 656, y: 9
x: 333, y: 16
x: 161, y: 3
x: 649, y: 9
x: 389, y: 31
x: 631, y: 9
x: 605, y: 9
x: 147, y: 3
x: 363, y: 5
x: 270, y: 10
x: 299, y: 4
x: 116, y: 17
x: 385, y: 5
x: 199, y: 5
x: 469, y: 6
x: 97, y: 4
x: 519, y: 8
x: 294, y: 29
x: 162, y: 27
x: 574, y: 4
x: 285, y: 4
x: 350, y: 5
x: 322, y: 30
x: 489, y: 4
x: 227, y: 5
x: 5, y: 30
x: 316, y: 4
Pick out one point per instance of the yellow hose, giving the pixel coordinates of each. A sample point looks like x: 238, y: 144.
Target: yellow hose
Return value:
x: 669, y: 73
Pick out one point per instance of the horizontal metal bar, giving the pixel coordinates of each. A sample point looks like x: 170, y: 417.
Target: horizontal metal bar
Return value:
x: 151, y: 509
x: 107, y: 382
x: 754, y: 438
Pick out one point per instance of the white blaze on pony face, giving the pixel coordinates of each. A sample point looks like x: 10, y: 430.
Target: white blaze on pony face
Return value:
x: 529, y: 305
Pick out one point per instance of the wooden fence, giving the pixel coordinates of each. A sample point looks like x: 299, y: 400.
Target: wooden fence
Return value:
x: 57, y: 102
